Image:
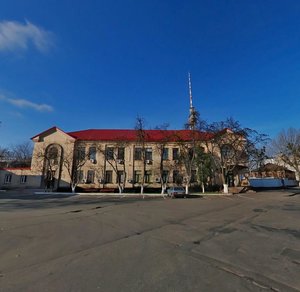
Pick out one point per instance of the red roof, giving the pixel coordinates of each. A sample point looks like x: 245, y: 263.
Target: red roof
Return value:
x: 53, y: 129
x: 131, y: 135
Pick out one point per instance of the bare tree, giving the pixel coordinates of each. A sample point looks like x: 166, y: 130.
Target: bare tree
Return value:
x: 286, y: 146
x: 165, y: 166
x: 22, y: 154
x: 232, y: 147
x: 188, y: 149
x: 141, y: 137
x: 52, y: 159
x: 74, y: 159
x: 257, y: 158
x: 187, y: 154
x: 115, y: 156
x: 4, y: 153
x: 99, y: 174
x: 48, y: 162
x: 18, y: 155
x: 205, y: 167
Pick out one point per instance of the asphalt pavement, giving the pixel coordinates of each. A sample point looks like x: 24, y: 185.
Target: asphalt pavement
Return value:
x: 248, y: 242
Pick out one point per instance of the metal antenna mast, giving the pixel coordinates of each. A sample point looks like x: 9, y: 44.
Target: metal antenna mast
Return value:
x: 193, y: 114
x: 190, y: 91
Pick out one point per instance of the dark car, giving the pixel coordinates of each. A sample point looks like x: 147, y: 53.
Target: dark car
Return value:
x: 176, y: 192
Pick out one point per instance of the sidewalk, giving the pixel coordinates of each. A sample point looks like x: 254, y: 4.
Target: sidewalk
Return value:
x: 157, y: 195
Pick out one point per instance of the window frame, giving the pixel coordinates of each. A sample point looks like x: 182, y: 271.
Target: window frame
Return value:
x: 165, y: 154
x: 109, y: 153
x: 80, y: 152
x: 138, y: 153
x: 165, y: 176
x: 175, y: 153
x: 137, y: 176
x: 80, y: 176
x: 108, y: 176
x: 120, y: 176
x: 121, y: 153
x: 148, y: 176
x: 92, y: 153
x: 23, y: 179
x: 7, y: 178
x: 148, y: 153
x: 90, y: 176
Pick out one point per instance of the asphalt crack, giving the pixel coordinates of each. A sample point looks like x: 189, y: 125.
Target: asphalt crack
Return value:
x: 293, y: 232
x: 258, y: 280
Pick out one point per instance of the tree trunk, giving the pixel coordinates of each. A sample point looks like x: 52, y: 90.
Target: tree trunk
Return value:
x: 298, y: 176
x: 187, y: 189
x: 73, y: 187
x: 225, y: 188
x: 120, y: 189
x: 203, y: 188
x: 163, y: 189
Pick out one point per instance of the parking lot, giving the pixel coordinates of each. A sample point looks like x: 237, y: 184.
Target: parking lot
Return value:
x: 247, y: 242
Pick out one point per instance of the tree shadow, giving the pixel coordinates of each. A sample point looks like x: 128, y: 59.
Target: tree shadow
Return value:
x: 11, y: 202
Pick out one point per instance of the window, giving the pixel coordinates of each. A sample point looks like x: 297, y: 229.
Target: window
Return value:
x: 137, y: 176
x: 177, y: 178
x: 121, y: 153
x: 7, y: 178
x: 148, y: 176
x: 108, y: 176
x: 165, y: 154
x: 53, y: 154
x: 193, y: 176
x: 148, y: 154
x: 23, y: 179
x: 175, y: 175
x: 109, y: 153
x: 80, y: 176
x: 90, y: 177
x: 165, y: 176
x: 175, y: 153
x: 81, y: 153
x: 137, y: 153
x: 92, y: 153
x: 120, y: 177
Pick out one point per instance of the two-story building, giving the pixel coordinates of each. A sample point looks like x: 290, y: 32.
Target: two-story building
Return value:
x: 108, y: 157
x: 104, y: 159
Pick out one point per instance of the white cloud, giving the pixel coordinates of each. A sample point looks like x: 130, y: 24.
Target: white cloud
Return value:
x: 15, y: 35
x: 16, y: 114
x: 23, y: 103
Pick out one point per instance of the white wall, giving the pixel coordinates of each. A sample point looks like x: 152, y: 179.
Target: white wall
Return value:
x: 33, y: 180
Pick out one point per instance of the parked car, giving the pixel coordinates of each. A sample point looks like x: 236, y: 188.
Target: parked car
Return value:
x: 176, y: 192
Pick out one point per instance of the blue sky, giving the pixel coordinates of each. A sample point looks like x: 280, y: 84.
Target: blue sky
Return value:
x: 99, y: 64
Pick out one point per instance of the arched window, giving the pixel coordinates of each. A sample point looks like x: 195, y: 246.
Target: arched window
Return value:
x: 52, y: 166
x: 52, y: 154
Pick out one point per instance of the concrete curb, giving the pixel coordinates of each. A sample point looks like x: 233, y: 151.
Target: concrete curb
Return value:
x: 55, y: 193
x: 217, y: 194
x: 125, y: 194
x: 100, y: 194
